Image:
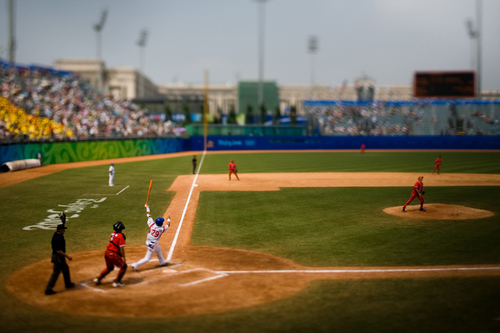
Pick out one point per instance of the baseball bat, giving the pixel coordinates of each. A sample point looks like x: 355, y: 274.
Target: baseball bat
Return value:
x: 149, y: 191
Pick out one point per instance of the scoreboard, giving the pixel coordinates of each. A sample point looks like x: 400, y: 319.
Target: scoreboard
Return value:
x: 444, y: 84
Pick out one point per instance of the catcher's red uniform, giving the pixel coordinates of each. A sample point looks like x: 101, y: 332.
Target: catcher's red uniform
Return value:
x: 113, y: 256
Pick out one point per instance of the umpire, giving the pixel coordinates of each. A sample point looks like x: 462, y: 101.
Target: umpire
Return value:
x: 59, y: 257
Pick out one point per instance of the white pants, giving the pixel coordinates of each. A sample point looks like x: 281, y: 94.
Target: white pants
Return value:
x: 111, y: 180
x: 152, y: 248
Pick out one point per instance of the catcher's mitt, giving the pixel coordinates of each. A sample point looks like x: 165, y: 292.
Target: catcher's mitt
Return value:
x: 62, y: 217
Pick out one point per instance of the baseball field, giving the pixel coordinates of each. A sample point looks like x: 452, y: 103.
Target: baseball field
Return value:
x: 304, y: 242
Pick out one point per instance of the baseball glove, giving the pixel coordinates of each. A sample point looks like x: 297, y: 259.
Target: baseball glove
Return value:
x: 423, y: 192
x: 62, y: 217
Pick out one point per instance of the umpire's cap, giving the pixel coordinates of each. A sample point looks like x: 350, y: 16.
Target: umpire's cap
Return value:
x: 60, y: 227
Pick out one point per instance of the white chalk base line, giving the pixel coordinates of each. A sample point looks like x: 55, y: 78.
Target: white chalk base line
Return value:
x: 388, y: 270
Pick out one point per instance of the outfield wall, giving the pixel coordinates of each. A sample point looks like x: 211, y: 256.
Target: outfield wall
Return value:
x: 345, y: 142
x: 63, y: 152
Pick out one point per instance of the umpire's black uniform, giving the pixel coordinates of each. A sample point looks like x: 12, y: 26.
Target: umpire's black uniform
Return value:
x: 59, y: 261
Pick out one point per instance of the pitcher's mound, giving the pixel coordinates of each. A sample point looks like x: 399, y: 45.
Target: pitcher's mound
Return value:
x: 440, y: 212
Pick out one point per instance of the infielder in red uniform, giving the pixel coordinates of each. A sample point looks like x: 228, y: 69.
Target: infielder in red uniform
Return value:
x: 233, y: 169
x: 417, y: 192
x: 115, y: 256
x: 437, y: 165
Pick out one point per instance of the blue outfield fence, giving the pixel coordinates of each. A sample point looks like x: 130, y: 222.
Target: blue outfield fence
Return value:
x: 345, y: 142
x: 72, y: 152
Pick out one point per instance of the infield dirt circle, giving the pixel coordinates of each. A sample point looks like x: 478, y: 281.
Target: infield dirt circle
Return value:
x: 203, y: 279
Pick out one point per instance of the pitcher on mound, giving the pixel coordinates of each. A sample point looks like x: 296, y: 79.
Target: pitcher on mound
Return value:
x: 417, y: 192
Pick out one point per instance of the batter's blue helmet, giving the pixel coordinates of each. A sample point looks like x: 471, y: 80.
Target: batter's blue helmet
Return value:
x: 159, y: 221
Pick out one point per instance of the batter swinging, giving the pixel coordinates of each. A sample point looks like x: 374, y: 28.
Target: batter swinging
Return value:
x: 156, y: 229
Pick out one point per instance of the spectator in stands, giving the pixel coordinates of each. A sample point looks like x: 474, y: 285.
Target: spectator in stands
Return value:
x: 60, y: 106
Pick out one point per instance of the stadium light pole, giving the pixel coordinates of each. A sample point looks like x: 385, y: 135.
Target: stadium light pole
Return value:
x: 313, y: 48
x: 98, y: 29
x: 473, y: 35
x: 142, y: 44
x: 479, y: 19
x: 12, y: 39
x: 261, y: 28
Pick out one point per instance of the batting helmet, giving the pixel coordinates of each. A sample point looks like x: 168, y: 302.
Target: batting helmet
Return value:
x: 118, y: 226
x: 159, y: 221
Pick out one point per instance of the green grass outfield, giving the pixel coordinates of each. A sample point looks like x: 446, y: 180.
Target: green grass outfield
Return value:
x: 312, y: 226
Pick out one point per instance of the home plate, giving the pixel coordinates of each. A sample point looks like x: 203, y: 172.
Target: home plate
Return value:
x: 169, y: 270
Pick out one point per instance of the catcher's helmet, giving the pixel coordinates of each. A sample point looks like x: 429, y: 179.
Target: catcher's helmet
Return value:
x: 118, y: 226
x: 159, y: 221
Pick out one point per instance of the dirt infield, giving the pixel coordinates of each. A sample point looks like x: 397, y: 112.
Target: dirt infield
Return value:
x: 203, y: 279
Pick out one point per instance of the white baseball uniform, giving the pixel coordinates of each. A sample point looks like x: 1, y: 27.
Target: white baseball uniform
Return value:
x: 111, y: 174
x: 152, y: 240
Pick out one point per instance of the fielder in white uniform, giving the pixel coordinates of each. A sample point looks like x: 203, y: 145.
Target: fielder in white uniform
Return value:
x: 156, y: 229
x: 111, y: 174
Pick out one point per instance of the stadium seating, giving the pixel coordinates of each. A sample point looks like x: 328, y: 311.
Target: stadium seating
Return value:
x: 436, y: 117
x: 45, y: 104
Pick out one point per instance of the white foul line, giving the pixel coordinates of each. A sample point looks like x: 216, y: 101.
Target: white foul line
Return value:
x: 330, y: 271
x: 123, y: 189
x: 174, y: 242
x: 388, y: 270
x: 202, y: 280
x: 126, y: 187
x: 93, y: 288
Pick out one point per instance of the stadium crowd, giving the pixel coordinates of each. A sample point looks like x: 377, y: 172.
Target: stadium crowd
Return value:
x: 379, y: 118
x: 43, y: 104
x: 364, y: 120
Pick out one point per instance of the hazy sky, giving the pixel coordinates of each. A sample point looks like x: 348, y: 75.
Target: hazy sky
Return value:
x: 387, y: 40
